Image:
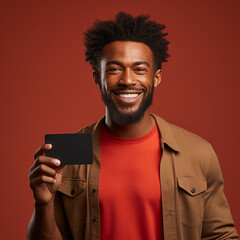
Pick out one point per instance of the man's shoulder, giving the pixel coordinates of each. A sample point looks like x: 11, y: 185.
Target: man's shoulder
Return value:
x: 90, y: 128
x: 187, y: 135
x: 184, y: 139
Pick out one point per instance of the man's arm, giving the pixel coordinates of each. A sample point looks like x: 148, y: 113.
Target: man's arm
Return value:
x: 45, y: 178
x: 42, y: 224
x: 217, y: 222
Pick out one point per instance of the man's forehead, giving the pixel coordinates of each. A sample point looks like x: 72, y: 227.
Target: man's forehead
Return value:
x: 127, y: 51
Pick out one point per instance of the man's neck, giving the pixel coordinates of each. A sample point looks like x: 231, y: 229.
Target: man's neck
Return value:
x: 131, y: 130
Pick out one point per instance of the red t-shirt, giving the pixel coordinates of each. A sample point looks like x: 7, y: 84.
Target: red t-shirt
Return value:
x: 129, y: 188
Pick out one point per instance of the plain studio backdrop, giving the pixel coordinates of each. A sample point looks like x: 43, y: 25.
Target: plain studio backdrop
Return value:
x: 47, y: 87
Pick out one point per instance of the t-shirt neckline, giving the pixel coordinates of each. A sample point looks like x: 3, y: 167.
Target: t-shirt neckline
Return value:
x: 136, y: 140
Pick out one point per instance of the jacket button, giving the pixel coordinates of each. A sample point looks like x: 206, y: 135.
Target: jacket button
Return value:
x: 94, y: 190
x: 193, y: 190
x: 72, y: 192
x: 94, y: 219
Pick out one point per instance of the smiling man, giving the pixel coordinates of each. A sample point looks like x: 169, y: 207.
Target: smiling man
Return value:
x: 150, y: 179
x: 127, y: 82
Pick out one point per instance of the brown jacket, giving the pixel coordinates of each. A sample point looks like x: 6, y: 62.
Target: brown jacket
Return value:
x: 193, y: 203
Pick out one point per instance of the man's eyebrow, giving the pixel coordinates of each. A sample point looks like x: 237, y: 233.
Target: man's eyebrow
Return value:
x: 115, y: 62
x: 141, y: 62
x: 135, y: 63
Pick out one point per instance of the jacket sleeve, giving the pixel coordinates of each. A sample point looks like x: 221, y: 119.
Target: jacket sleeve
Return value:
x: 217, y: 220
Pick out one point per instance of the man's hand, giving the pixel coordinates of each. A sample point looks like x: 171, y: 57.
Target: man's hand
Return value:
x: 45, y: 176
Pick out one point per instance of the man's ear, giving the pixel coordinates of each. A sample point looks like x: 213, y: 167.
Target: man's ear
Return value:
x: 96, y: 77
x: 157, y: 77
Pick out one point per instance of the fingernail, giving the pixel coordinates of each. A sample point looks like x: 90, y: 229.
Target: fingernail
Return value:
x: 54, y: 181
x: 57, y: 162
x: 48, y: 145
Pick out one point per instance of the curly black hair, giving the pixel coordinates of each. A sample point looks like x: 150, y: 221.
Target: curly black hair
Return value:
x: 126, y: 28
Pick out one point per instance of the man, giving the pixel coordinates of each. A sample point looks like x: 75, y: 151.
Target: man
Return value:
x: 149, y: 179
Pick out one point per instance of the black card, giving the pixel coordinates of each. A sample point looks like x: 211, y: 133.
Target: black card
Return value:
x: 71, y: 148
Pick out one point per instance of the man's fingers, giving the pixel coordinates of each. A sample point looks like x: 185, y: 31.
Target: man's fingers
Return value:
x: 51, y: 162
x: 42, y: 150
x: 42, y: 179
x: 42, y: 170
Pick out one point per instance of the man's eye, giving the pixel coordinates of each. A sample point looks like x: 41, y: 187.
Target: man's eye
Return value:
x: 113, y: 70
x: 139, y: 69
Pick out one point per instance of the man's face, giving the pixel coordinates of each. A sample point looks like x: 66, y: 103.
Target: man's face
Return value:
x: 127, y: 80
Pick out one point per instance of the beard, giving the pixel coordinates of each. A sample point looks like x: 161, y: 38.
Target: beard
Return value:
x: 121, y: 118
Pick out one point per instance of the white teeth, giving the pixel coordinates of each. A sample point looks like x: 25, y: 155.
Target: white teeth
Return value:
x: 128, y: 95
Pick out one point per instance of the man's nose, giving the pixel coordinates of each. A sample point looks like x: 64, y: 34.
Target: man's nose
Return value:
x: 127, y: 78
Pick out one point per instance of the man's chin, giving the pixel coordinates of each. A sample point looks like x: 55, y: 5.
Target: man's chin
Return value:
x: 128, y: 111
x: 126, y: 118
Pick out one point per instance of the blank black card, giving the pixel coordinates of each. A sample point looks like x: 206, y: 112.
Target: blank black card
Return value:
x: 71, y: 148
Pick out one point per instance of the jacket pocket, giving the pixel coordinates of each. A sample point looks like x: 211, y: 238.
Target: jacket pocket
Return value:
x: 73, y: 192
x: 191, y: 198
x: 72, y: 187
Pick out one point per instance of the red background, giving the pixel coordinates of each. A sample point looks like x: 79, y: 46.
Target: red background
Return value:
x: 46, y: 86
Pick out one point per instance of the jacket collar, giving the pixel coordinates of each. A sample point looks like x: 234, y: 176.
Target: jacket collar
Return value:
x: 165, y: 129
x: 167, y: 136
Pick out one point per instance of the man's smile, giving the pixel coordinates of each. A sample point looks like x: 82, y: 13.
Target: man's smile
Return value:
x: 128, y: 95
x: 125, y: 97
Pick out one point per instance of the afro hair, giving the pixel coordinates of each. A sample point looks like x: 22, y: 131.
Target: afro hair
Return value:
x: 126, y: 28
